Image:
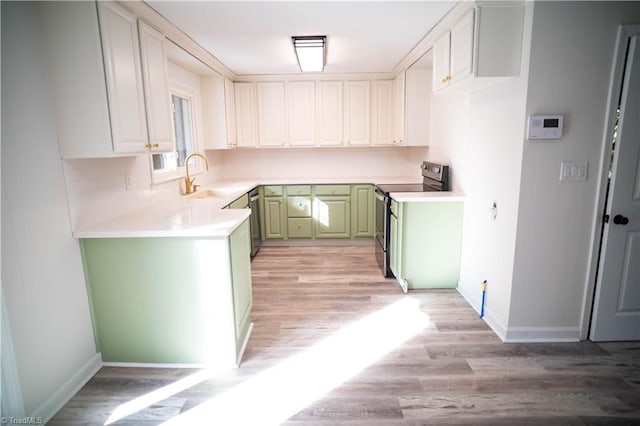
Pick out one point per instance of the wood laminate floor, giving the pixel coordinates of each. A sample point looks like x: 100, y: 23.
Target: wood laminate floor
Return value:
x: 334, y: 343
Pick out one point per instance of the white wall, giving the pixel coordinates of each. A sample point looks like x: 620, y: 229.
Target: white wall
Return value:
x: 365, y: 162
x: 480, y: 135
x: 42, y: 276
x: 571, y: 60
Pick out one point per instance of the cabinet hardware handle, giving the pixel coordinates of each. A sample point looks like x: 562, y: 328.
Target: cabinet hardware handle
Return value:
x: 148, y: 145
x: 299, y: 226
x: 156, y: 145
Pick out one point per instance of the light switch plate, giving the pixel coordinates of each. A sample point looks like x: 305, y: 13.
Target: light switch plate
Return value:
x: 574, y: 170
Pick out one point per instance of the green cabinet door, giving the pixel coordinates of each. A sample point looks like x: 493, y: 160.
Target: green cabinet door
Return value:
x: 362, y: 216
x: 240, y: 242
x: 332, y: 216
x: 274, y: 218
x: 394, y: 253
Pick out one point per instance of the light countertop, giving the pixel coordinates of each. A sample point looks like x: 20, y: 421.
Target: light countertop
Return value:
x: 413, y: 197
x: 205, y: 217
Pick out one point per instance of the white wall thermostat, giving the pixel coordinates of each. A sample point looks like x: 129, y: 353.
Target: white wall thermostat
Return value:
x: 545, y: 127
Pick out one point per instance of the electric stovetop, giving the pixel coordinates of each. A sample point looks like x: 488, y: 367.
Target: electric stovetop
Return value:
x: 405, y: 187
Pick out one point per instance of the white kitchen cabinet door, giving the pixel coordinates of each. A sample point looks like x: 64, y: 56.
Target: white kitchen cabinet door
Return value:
x: 302, y: 110
x: 418, y: 80
x: 79, y: 88
x: 124, y: 78
x: 230, y: 112
x: 441, y: 64
x: 272, y: 128
x: 382, y: 112
x: 399, y: 109
x: 214, y: 124
x: 246, y: 114
x: 156, y: 88
x: 329, y: 116
x: 461, y: 61
x: 357, y: 113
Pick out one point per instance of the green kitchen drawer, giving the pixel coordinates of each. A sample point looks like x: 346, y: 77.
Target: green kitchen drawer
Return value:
x: 333, y: 189
x: 299, y: 190
x: 240, y: 203
x: 298, y: 206
x: 273, y: 191
x: 299, y: 227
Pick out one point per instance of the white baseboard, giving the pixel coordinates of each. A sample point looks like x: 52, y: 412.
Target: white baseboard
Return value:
x: 542, y: 334
x: 476, y: 303
x: 52, y: 405
x: 520, y: 334
x: 154, y: 365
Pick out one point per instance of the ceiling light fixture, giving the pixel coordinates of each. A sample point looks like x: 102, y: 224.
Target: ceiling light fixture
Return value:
x: 310, y: 51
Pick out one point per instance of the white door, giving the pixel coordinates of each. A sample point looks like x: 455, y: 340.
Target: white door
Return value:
x: 616, y: 312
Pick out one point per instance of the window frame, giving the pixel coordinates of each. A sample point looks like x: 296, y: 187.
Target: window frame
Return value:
x: 182, y: 88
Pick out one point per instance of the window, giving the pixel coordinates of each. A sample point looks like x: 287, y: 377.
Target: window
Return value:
x: 183, y: 137
x: 184, y: 87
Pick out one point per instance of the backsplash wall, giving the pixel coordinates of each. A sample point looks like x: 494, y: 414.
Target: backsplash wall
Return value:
x: 101, y: 189
x: 322, y: 162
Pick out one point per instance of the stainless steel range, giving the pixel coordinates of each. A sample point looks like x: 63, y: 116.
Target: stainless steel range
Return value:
x: 435, y: 177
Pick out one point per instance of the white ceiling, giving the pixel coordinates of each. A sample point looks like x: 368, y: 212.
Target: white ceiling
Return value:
x: 255, y: 37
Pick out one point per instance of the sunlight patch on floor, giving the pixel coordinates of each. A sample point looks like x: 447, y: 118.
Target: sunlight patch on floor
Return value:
x: 148, y: 399
x: 281, y: 391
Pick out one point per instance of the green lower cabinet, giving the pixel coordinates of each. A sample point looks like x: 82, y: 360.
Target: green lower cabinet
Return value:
x: 240, y: 203
x: 332, y: 215
x: 299, y: 227
x: 317, y: 211
x: 170, y: 300
x: 274, y: 218
x: 426, y: 242
x: 362, y: 215
x: 393, y: 245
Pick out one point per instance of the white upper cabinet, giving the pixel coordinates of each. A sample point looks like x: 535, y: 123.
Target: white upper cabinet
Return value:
x: 98, y: 82
x: 329, y: 116
x: 124, y: 78
x: 156, y: 88
x: 441, y: 58
x: 272, y: 123
x: 357, y: 113
x: 418, y: 78
x: 398, y: 130
x: 214, y: 126
x: 485, y: 44
x: 230, y: 112
x: 246, y: 114
x: 302, y: 112
x: 461, y: 59
x: 382, y: 112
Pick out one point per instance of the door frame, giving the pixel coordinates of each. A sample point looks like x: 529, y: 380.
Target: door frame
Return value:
x: 625, y: 32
